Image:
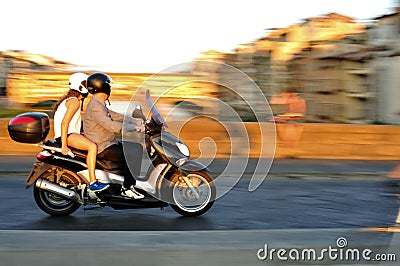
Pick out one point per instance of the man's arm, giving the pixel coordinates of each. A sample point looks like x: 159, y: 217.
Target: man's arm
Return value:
x: 116, y: 116
x: 99, y: 114
x: 119, y: 117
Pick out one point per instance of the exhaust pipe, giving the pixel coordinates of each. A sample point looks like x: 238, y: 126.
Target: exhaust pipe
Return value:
x: 56, y: 189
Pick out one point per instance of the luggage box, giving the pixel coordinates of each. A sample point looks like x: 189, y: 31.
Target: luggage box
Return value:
x: 32, y: 127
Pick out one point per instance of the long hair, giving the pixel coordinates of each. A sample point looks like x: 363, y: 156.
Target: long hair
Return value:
x: 70, y: 93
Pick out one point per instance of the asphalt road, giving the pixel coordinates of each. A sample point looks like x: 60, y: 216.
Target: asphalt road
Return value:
x: 279, y: 203
x: 302, y: 204
x: 296, y: 194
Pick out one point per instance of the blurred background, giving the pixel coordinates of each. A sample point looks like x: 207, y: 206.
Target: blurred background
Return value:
x: 345, y: 69
x: 318, y: 73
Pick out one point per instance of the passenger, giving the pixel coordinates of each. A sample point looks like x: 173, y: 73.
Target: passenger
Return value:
x: 67, y: 126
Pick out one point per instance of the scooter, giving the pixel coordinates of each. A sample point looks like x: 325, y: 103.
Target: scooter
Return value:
x: 60, y: 182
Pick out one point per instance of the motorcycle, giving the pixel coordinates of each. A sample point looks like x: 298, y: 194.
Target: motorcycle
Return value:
x: 60, y: 182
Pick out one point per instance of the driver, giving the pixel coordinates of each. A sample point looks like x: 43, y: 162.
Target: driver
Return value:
x: 100, y: 126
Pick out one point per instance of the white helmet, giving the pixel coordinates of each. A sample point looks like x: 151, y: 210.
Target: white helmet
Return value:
x: 77, y: 82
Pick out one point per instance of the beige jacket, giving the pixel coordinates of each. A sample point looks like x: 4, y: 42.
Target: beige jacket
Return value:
x: 101, y: 124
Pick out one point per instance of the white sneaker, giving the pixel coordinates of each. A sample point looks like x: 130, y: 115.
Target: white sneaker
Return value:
x: 131, y: 193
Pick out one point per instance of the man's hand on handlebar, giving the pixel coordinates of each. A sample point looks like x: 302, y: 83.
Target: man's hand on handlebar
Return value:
x: 133, y: 127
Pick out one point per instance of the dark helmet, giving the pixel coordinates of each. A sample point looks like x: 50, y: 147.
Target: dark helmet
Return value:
x: 99, y: 82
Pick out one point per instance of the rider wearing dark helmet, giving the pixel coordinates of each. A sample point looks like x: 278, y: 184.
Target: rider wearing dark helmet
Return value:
x: 101, y: 124
x: 67, y: 126
x: 99, y: 82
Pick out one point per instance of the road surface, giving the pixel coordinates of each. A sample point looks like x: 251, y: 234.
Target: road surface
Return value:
x: 302, y: 204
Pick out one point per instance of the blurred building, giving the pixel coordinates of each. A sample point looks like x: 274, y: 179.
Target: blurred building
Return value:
x: 275, y: 50
x: 334, y: 79
x: 32, y: 87
x: 284, y: 57
x: 23, y: 61
x: 348, y: 72
x: 353, y: 79
x: 234, y: 88
x: 384, y: 42
x: 345, y: 70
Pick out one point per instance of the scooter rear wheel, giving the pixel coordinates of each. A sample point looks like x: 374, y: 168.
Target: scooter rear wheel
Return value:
x: 54, y: 204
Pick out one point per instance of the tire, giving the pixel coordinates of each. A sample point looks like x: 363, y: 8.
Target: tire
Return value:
x: 183, y: 200
x: 54, y: 204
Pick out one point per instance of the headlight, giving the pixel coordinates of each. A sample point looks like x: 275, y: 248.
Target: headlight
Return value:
x: 183, y: 148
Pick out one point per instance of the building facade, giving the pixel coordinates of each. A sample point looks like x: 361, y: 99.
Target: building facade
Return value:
x: 23, y: 61
x: 384, y: 41
x: 302, y: 57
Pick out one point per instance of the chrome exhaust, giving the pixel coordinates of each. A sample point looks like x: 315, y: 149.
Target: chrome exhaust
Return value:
x: 56, y: 189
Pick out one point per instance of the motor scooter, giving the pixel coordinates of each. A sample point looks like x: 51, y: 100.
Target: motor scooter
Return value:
x: 60, y: 182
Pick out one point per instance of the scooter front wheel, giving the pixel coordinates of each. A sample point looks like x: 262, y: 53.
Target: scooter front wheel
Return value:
x: 192, y: 195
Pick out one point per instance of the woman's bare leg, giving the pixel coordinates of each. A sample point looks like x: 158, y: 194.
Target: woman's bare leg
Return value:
x: 80, y: 142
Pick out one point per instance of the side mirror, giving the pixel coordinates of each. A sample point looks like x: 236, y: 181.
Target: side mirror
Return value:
x: 138, y: 113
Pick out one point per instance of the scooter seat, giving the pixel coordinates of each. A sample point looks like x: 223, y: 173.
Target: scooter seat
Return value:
x: 81, y: 154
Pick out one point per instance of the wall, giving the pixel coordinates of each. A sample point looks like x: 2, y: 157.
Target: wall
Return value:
x: 319, y: 141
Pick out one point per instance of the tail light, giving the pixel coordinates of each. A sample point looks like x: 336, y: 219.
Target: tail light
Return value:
x: 44, y: 155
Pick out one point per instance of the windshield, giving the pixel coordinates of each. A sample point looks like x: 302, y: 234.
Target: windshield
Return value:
x: 153, y: 110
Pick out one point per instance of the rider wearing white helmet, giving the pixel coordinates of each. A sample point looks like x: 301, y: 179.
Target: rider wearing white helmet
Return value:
x: 67, y: 126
